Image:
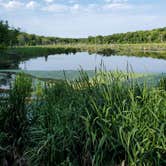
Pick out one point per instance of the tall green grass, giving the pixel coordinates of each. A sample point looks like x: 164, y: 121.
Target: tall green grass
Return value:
x: 107, y: 120
x: 14, y: 122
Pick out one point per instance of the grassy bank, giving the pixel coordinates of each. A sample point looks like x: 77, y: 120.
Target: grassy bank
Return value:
x: 107, y: 120
x: 148, y: 50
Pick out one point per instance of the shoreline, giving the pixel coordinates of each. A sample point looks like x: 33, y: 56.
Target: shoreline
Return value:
x: 157, y: 50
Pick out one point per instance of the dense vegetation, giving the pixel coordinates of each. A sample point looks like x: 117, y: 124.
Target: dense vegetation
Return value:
x: 146, y: 50
x: 12, y: 37
x: 8, y: 35
x: 109, y: 120
x: 151, y: 36
x: 12, y: 57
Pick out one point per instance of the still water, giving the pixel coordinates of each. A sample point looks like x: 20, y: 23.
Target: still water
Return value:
x: 80, y: 60
x: 90, y: 62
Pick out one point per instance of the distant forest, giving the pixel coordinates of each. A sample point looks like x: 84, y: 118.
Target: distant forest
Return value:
x: 10, y: 36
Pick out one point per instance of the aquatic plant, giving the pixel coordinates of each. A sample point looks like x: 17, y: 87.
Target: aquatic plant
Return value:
x: 14, y: 122
x: 110, y: 119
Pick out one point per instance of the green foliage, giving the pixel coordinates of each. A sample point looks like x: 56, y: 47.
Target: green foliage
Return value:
x: 12, y: 37
x: 3, y: 34
x: 107, y: 120
x: 151, y: 36
x: 162, y: 83
x: 7, y: 35
x: 141, y: 50
x: 14, y: 122
x: 12, y: 57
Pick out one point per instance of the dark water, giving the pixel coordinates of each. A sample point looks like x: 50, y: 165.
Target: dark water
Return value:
x: 5, y: 80
x: 82, y: 60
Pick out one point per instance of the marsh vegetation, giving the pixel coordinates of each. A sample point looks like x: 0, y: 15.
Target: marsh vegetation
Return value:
x: 82, y: 118
x: 157, y: 50
x: 107, y: 120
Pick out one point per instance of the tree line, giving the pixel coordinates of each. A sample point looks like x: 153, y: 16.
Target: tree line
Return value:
x: 10, y: 36
x: 149, y: 36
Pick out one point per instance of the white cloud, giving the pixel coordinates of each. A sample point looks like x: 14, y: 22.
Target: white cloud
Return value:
x: 73, y: 1
x: 49, y: 1
x: 31, y: 5
x: 115, y: 6
x: 81, y: 23
x: 73, y: 8
x: 12, y: 4
x: 55, y: 8
x: 116, y: 1
x: 76, y: 7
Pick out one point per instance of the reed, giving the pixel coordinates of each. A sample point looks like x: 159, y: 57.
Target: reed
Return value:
x: 156, y: 50
x: 14, y: 122
x: 110, y: 119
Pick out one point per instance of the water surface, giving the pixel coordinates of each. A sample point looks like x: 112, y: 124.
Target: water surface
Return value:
x: 81, y: 60
x: 90, y: 62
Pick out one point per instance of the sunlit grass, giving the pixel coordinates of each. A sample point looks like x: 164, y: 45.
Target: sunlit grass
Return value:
x: 156, y: 50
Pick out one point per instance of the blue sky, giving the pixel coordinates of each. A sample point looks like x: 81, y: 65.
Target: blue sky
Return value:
x: 82, y: 18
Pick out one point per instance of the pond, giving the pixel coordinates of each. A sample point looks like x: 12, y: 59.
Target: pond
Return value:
x: 83, y: 60
x: 90, y: 62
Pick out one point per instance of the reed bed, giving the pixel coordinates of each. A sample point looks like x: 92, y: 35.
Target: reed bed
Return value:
x: 108, y: 120
x: 156, y: 50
